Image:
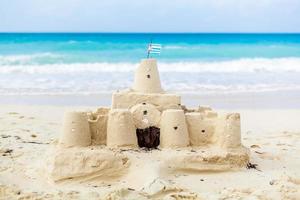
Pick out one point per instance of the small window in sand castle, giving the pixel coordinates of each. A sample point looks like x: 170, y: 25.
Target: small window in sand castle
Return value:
x: 175, y: 127
x: 148, y: 76
x: 145, y: 112
x: 144, y: 103
x: 203, y: 131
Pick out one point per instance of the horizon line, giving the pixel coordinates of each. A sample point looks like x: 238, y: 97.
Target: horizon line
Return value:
x: 94, y: 32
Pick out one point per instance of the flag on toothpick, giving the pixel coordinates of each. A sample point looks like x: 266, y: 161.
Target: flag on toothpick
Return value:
x: 154, y: 49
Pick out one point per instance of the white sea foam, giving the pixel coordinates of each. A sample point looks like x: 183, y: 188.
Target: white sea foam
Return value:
x: 24, y: 59
x: 243, y: 75
x: 175, y: 47
x: 231, y: 66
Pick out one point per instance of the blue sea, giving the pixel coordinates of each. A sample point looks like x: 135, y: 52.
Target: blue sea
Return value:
x: 94, y: 63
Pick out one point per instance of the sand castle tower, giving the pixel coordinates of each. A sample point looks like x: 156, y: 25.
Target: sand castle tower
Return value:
x: 173, y: 128
x: 229, y: 130
x: 201, y: 128
x: 76, y: 131
x: 145, y: 115
x: 146, y: 79
x: 120, y: 129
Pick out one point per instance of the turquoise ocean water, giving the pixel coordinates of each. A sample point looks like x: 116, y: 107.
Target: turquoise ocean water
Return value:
x: 91, y: 63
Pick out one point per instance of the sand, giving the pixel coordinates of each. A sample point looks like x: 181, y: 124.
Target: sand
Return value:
x: 28, y: 133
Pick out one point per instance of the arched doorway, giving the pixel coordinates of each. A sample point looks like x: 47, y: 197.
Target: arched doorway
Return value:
x: 148, y: 137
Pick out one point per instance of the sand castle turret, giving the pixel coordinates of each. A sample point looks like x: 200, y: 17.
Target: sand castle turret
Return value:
x: 76, y: 131
x: 120, y: 129
x: 229, y: 130
x: 146, y: 78
x: 145, y: 115
x: 173, y: 127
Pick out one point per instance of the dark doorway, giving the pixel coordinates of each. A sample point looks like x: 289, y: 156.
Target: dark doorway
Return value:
x: 148, y: 137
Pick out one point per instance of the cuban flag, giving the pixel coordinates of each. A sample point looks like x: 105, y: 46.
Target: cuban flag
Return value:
x: 154, y: 49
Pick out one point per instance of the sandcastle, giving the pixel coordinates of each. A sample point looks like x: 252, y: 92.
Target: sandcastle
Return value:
x: 145, y: 116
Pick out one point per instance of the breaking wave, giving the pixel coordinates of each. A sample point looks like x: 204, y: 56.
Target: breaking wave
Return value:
x: 230, y: 66
x: 11, y: 60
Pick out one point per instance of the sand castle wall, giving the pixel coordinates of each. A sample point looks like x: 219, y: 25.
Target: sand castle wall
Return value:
x: 146, y: 79
x: 229, y: 130
x: 120, y: 128
x: 98, y: 125
x: 173, y: 129
x: 145, y: 115
x: 76, y: 131
x: 161, y: 101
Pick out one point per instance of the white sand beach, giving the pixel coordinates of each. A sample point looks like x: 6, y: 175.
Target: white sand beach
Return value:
x: 272, y: 135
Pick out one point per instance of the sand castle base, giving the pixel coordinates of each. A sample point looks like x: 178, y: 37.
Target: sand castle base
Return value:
x: 84, y: 164
x: 209, y: 159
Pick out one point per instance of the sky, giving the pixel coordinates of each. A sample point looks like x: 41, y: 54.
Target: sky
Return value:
x: 149, y: 15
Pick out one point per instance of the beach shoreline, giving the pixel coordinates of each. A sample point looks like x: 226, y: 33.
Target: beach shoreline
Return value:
x: 247, y: 100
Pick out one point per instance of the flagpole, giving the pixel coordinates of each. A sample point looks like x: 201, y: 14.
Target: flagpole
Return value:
x: 149, y: 49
